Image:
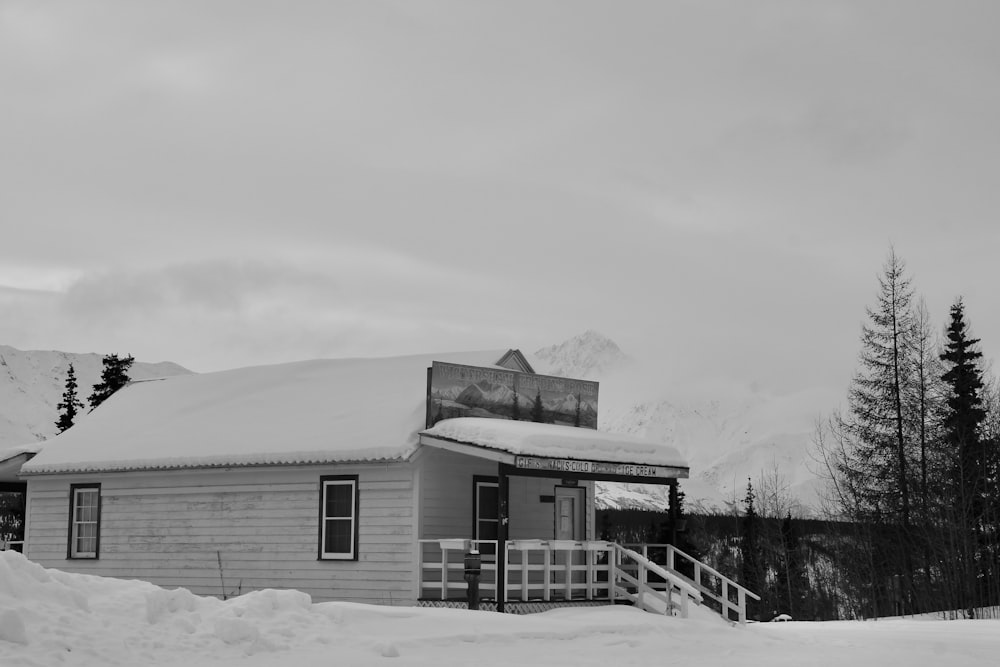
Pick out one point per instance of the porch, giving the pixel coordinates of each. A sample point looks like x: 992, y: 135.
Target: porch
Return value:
x: 536, y: 575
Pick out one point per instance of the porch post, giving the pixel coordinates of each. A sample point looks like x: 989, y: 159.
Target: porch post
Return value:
x: 674, y: 512
x: 503, y: 516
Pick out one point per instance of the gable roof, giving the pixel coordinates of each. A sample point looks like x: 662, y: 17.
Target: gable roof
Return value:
x: 515, y: 361
x: 321, y: 411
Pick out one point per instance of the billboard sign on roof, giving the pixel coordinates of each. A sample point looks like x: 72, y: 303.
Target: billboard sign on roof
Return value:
x: 455, y: 390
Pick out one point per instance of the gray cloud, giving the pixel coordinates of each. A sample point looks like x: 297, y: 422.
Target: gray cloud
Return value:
x: 712, y: 184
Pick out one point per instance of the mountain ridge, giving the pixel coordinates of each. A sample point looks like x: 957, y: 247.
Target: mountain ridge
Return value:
x: 32, y: 383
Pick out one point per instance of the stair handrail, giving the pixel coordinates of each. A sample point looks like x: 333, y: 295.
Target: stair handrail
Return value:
x: 674, y: 582
x: 742, y: 593
x: 700, y: 568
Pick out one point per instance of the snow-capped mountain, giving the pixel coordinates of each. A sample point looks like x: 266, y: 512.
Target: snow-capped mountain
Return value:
x: 485, y: 395
x: 32, y: 383
x: 727, y: 435
x: 589, y: 356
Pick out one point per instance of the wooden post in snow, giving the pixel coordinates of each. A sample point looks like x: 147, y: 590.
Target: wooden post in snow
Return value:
x: 503, y: 516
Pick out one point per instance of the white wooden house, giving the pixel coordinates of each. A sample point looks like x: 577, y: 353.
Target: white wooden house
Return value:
x: 323, y: 476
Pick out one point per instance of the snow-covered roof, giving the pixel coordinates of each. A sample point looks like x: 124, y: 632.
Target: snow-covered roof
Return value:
x: 519, y: 438
x: 321, y: 411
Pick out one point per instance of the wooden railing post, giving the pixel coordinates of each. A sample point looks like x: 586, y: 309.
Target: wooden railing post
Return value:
x: 726, y: 604
x: 741, y: 596
x: 613, y: 574
x: 444, y: 573
x: 547, y: 573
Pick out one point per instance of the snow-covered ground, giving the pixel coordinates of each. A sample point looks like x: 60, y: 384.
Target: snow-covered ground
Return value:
x: 50, y: 618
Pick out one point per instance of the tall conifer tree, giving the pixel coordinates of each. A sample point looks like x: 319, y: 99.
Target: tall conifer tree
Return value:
x: 974, y: 465
x: 114, y: 376
x: 751, y: 549
x: 70, y: 404
x: 876, y: 401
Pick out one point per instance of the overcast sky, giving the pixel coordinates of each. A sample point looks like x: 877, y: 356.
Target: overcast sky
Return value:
x: 713, y: 185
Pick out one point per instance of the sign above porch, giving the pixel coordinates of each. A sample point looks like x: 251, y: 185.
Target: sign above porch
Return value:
x: 554, y: 450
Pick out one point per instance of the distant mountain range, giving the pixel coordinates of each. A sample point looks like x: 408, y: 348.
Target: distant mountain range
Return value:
x: 734, y: 434
x: 32, y: 383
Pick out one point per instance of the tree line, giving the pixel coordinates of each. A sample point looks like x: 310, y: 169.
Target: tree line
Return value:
x: 912, y: 462
x: 910, y: 521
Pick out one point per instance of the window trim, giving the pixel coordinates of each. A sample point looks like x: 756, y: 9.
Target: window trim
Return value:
x: 71, y: 552
x: 338, y: 480
x: 477, y: 482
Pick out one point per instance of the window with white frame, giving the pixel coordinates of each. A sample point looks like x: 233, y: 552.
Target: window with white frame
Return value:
x: 485, y: 511
x: 338, y: 533
x: 84, y: 520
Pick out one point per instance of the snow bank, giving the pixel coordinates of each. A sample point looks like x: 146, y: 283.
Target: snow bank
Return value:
x: 50, y: 618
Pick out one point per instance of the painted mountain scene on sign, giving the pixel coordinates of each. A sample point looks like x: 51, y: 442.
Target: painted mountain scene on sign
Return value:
x: 473, y: 391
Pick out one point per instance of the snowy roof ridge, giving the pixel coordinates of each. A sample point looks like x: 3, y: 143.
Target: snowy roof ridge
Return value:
x: 303, y: 412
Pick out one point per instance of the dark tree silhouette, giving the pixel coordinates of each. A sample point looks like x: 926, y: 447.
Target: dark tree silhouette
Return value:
x: 70, y: 404
x: 114, y: 376
x: 537, y: 409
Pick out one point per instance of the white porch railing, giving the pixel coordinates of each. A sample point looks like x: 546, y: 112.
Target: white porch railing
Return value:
x: 566, y: 570
x: 11, y: 545
x: 442, y: 568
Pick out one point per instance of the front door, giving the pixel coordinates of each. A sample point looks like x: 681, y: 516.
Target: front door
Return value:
x: 570, y: 524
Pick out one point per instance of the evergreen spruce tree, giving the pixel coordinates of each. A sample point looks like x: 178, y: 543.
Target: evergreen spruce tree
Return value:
x: 515, y: 412
x: 114, y: 376
x: 973, y: 462
x: 537, y: 409
x: 576, y: 417
x: 70, y: 404
x: 792, y: 579
x: 751, y: 552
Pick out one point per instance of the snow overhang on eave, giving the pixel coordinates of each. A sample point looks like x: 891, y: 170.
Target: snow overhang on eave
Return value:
x: 556, y: 451
x: 204, y: 463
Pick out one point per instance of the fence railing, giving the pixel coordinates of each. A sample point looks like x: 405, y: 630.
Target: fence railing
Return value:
x: 657, y: 577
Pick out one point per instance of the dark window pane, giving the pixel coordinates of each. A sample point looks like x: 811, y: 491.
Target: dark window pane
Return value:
x: 339, y: 500
x: 487, y: 502
x: 338, y: 536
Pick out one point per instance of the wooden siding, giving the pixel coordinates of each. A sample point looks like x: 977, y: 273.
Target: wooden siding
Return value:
x: 446, y: 498
x: 171, y: 528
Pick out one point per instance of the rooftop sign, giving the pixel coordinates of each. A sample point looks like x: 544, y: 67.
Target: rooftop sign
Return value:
x: 455, y: 390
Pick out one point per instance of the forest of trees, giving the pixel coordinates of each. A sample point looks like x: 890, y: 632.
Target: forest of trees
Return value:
x: 912, y: 462
x: 911, y: 515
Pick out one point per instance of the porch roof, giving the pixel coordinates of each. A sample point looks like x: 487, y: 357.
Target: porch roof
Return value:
x: 556, y: 449
x: 12, y: 459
